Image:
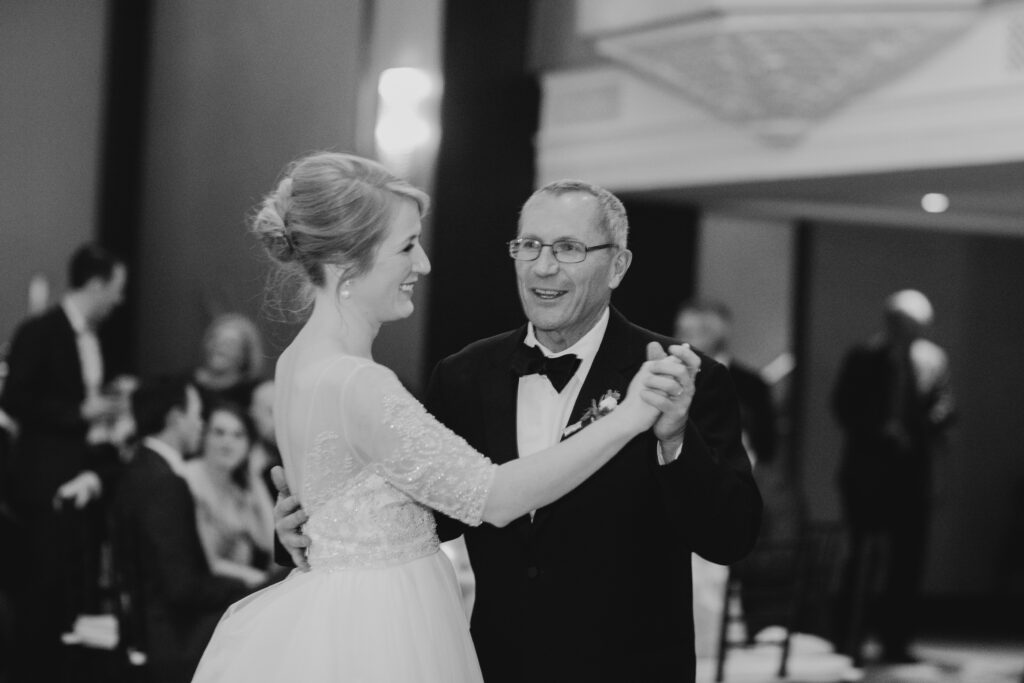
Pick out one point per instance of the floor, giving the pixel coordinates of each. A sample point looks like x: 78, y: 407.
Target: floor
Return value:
x: 813, y: 661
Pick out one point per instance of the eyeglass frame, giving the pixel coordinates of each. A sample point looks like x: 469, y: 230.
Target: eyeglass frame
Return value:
x: 586, y: 250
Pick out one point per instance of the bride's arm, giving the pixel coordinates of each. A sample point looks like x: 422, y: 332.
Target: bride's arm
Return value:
x: 392, y: 432
x: 525, y: 484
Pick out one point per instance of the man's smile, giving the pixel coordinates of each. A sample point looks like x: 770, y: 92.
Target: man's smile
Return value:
x: 548, y: 294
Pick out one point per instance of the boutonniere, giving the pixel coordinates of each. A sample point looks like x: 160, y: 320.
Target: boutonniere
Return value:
x: 598, y: 408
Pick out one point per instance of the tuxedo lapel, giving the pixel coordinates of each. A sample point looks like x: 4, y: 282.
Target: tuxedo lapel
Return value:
x: 612, y: 370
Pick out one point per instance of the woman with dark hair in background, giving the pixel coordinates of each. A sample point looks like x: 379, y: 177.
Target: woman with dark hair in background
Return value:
x: 234, y: 513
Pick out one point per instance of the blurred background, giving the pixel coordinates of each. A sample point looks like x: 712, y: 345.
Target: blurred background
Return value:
x: 795, y: 160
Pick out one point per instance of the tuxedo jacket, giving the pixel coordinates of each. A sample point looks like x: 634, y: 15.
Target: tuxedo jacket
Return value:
x: 44, y: 392
x: 177, y: 599
x: 878, y: 476
x: 598, y: 586
x: 757, y: 412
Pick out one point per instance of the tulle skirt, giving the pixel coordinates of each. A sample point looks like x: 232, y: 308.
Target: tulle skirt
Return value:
x: 399, y: 623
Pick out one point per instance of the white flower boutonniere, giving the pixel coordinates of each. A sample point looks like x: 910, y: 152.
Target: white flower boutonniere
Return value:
x: 608, y: 402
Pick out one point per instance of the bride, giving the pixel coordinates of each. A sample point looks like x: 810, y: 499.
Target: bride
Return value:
x: 380, y: 602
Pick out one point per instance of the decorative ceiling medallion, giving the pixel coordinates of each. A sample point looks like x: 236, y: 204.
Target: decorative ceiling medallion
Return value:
x: 780, y: 72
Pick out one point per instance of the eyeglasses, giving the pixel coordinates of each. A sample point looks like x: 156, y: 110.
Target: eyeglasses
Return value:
x: 564, y: 251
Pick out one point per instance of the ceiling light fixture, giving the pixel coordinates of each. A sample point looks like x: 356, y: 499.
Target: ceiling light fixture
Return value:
x: 935, y: 202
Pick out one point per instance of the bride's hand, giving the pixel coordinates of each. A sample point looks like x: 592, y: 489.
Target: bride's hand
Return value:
x: 649, y: 388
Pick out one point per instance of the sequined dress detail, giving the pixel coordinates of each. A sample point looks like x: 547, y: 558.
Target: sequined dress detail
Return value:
x: 380, y: 603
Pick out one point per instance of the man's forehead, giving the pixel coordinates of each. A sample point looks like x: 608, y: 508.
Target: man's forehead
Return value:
x: 568, y: 215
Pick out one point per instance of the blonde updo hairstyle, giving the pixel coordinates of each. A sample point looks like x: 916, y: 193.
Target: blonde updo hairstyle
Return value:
x: 331, y: 209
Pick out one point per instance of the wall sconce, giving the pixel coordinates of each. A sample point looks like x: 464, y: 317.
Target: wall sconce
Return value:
x: 404, y: 123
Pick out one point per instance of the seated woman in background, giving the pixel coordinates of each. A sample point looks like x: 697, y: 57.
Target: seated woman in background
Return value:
x: 234, y: 514
x: 232, y: 363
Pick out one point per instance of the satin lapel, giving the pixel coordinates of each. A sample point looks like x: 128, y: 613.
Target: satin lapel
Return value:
x: 612, y: 370
x: 499, y: 391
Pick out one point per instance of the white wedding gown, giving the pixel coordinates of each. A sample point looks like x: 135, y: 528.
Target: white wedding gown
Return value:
x: 381, y: 602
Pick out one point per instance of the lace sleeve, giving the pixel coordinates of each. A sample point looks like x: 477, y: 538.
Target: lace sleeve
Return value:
x: 408, y: 447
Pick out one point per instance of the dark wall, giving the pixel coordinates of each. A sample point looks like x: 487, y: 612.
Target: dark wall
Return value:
x: 663, y: 239
x: 485, y: 171
x: 236, y: 90
x: 51, y: 105
x: 973, y: 283
x: 120, y: 187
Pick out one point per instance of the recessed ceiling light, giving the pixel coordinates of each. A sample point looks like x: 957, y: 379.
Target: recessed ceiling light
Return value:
x: 934, y: 202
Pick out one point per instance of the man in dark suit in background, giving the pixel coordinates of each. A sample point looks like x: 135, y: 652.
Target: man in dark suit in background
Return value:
x: 893, y: 401
x: 767, y: 572
x: 56, y: 394
x: 178, y: 600
x: 707, y: 326
x: 596, y: 586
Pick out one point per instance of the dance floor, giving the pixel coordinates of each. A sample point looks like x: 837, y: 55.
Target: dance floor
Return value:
x: 812, y: 661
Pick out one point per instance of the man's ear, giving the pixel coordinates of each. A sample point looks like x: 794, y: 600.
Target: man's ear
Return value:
x: 619, y: 267
x: 173, y: 417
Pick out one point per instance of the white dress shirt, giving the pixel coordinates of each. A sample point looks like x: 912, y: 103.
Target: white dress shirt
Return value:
x: 543, y: 413
x: 89, y: 355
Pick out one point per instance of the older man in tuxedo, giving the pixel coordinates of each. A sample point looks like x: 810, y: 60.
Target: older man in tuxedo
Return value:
x: 55, y: 392
x: 893, y: 400
x: 596, y: 586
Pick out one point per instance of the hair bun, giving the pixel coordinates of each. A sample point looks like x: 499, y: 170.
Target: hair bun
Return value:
x: 270, y: 223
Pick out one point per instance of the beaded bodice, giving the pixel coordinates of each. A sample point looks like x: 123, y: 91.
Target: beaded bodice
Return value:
x: 373, y: 464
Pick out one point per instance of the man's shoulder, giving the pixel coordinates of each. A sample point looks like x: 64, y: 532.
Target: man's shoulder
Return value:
x: 484, y: 350
x: 49, y: 320
x: 146, y: 466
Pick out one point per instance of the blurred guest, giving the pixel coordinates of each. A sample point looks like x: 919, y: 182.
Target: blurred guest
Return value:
x: 770, y: 566
x: 158, y: 544
x: 265, y: 454
x: 893, y: 402
x: 235, y: 514
x: 56, y: 392
x: 707, y: 325
x: 232, y: 362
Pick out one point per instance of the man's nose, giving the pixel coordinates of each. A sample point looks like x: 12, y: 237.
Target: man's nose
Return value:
x: 546, y: 263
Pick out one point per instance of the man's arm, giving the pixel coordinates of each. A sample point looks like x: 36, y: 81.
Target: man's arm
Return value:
x: 289, y: 542
x: 709, y: 490
x: 27, y: 396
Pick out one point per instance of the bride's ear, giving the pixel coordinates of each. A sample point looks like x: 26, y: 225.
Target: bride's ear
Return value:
x: 335, y: 271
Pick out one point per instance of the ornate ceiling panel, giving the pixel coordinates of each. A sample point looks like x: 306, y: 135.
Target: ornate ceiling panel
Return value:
x: 779, y: 72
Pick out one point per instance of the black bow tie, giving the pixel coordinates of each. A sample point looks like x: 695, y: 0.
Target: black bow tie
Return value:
x: 529, y: 360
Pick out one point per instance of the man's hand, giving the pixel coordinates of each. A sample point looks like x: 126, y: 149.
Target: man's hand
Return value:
x: 100, y: 406
x: 674, y: 407
x: 85, y: 487
x: 288, y: 520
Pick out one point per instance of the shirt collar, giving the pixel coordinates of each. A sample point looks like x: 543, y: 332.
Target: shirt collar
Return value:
x: 167, y: 452
x: 585, y: 347
x: 75, y: 316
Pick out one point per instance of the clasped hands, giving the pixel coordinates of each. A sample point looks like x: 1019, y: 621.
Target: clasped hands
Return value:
x: 667, y: 382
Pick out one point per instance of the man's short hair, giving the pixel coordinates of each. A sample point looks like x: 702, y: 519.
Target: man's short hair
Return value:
x: 89, y: 261
x: 697, y: 305
x: 153, y: 401
x: 612, y: 221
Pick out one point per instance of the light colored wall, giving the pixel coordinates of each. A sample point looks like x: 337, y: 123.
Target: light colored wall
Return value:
x: 747, y: 263
x: 50, y: 126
